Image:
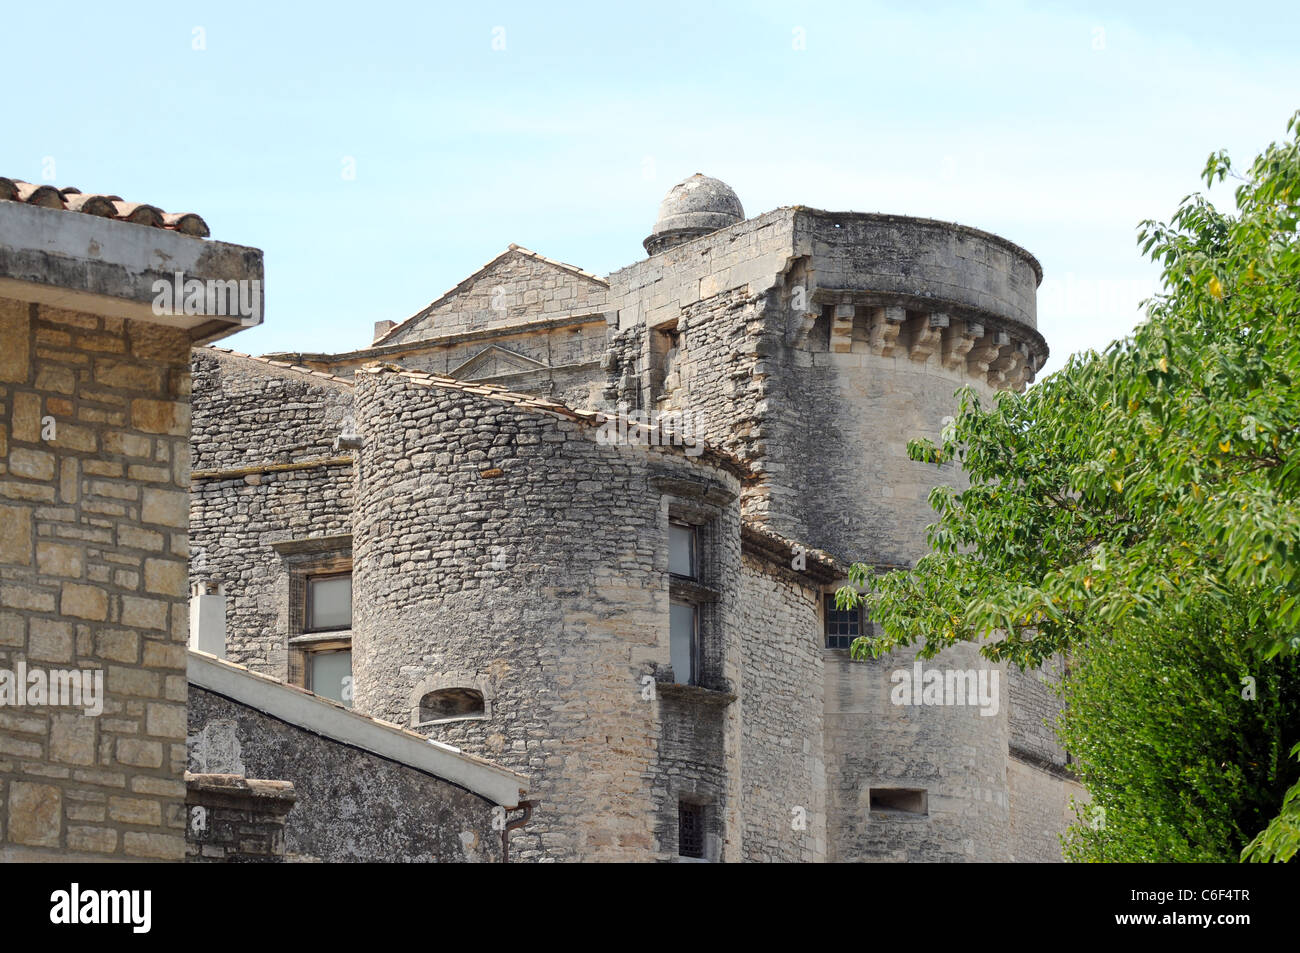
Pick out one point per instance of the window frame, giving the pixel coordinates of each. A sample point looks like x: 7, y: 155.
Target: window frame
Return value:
x: 696, y: 662
x: 700, y: 811
x: 309, y: 653
x: 828, y: 606
x: 695, y: 549
x: 308, y: 628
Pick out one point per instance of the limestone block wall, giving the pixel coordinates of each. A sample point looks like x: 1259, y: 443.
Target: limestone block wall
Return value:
x: 964, y: 268
x: 556, y: 357
x: 751, y: 255
x: 1041, y: 811
x: 94, y: 479
x: 500, y: 545
x: 572, y: 344
x: 720, y: 379
x: 1036, y: 704
x: 783, y: 757
x: 957, y: 755
x: 515, y: 288
x: 842, y: 478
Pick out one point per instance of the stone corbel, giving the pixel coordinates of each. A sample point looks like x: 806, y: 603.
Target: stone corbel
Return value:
x: 985, y: 352
x: 1015, y: 369
x: 957, y: 342
x: 1004, y: 370
x: 842, y: 325
x: 927, y: 336
x: 885, y: 325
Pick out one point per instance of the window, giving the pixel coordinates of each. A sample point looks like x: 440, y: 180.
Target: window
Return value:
x: 899, y: 800
x: 329, y: 603
x: 329, y: 674
x: 684, y: 642
x: 842, y: 626
x: 690, y: 829
x: 448, y: 703
x: 682, y: 559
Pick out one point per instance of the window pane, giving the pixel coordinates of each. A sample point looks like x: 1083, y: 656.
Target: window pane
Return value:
x: 330, y: 602
x: 328, y: 671
x: 681, y: 623
x: 842, y: 627
x: 681, y: 550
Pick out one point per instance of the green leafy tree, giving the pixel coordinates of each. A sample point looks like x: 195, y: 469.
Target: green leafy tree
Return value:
x: 1142, y: 489
x: 1179, y: 735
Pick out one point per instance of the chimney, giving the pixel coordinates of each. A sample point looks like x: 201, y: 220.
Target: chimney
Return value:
x: 382, y: 328
x: 208, y: 617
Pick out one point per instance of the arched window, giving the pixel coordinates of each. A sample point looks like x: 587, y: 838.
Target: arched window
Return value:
x: 447, y: 703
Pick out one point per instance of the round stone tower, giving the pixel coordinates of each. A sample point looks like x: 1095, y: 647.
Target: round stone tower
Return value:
x: 693, y: 207
x: 815, y: 345
x: 511, y: 593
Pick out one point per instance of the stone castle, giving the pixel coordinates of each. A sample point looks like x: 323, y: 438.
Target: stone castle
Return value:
x: 589, y: 530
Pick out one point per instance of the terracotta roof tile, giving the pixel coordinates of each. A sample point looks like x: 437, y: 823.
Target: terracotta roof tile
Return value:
x: 105, y: 206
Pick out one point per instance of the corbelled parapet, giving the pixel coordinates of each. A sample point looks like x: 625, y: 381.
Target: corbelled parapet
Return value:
x: 1002, y: 354
x: 919, y: 289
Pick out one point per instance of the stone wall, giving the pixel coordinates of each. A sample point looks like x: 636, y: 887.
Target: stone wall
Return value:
x: 250, y: 412
x: 515, y: 288
x: 1041, y: 810
x: 955, y: 754
x: 1036, y: 705
x: 962, y: 267
x: 504, y: 547
x: 556, y: 357
x: 94, y: 479
x: 235, y: 820
x: 783, y: 759
x: 352, y: 805
x: 264, y: 436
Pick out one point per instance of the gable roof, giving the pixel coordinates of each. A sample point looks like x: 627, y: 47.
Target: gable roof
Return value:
x: 513, y: 249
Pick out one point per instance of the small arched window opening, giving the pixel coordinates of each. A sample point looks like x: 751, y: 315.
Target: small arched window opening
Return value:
x: 449, y: 703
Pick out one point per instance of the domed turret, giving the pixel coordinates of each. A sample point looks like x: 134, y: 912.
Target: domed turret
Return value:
x: 693, y: 207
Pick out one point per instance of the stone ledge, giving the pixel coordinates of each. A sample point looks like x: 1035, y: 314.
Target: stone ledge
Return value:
x: 239, y: 793
x: 694, y: 693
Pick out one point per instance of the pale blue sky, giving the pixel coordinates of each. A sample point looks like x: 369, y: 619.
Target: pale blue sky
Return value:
x: 1058, y: 126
